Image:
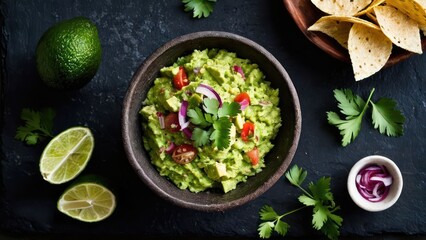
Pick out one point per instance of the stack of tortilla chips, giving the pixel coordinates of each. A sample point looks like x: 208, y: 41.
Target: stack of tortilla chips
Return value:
x: 368, y: 29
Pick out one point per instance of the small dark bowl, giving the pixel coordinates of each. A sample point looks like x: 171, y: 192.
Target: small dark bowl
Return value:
x: 277, y: 161
x: 305, y: 13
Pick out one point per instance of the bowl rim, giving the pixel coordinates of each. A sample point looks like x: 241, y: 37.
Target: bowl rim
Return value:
x: 396, y: 187
x: 129, y: 151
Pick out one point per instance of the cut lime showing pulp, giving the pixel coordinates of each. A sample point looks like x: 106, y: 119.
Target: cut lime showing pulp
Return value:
x: 66, y: 155
x: 87, y: 202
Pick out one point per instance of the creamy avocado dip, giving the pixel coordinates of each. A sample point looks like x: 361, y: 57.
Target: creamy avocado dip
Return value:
x: 209, y: 119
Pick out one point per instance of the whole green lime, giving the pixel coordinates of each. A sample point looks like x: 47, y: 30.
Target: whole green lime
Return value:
x: 69, y: 53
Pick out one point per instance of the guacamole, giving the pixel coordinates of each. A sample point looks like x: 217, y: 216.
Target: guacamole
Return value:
x: 209, y: 119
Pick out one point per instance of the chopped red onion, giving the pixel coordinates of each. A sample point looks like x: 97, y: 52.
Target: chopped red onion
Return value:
x: 373, y: 182
x: 209, y: 92
x: 244, y: 103
x: 182, y: 115
x: 239, y: 70
x: 161, y: 120
x: 170, y: 148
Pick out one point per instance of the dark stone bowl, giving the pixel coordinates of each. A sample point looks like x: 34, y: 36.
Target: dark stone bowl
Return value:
x: 277, y: 161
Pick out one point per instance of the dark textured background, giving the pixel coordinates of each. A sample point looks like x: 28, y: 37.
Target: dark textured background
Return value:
x: 130, y: 31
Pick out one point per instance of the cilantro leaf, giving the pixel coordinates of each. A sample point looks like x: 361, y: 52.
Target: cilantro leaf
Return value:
x: 296, y: 175
x: 196, y: 117
x: 349, y: 104
x: 331, y: 229
x: 221, y: 133
x: 200, y: 8
x: 267, y: 213
x: 281, y: 227
x: 386, y: 118
x: 320, y: 216
x: 229, y: 109
x: 349, y: 128
x: 308, y: 201
x: 211, y: 105
x: 321, y: 188
x: 200, y: 136
x: 273, y: 222
x: 320, y: 198
x: 38, y: 125
x: 265, y: 229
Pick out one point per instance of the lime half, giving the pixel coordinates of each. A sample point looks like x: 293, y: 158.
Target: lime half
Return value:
x: 87, y: 202
x: 66, y: 155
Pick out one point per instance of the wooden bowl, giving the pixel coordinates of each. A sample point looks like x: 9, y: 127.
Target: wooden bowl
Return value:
x: 276, y: 161
x: 304, y: 13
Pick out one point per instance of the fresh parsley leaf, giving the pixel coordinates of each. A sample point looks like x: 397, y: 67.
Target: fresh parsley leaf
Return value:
x: 200, y: 8
x: 319, y: 216
x: 200, y: 137
x: 229, y: 109
x: 38, y: 125
x: 386, y: 118
x: 221, y: 133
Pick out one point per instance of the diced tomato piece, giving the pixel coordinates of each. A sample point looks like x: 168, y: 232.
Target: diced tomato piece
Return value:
x: 241, y: 97
x: 184, y: 154
x: 247, y: 131
x: 171, y: 122
x: 254, y: 156
x: 180, y: 80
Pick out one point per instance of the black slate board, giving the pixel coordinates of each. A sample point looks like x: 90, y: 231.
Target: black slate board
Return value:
x: 130, y: 31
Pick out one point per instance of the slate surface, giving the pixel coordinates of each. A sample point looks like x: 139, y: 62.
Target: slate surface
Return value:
x: 130, y: 31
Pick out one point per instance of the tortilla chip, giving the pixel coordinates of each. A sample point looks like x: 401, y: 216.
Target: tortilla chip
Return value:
x: 370, y: 7
x: 415, y: 9
x: 341, y: 7
x: 369, y: 50
x: 399, y: 28
x: 423, y: 28
x: 336, y: 29
x: 350, y: 20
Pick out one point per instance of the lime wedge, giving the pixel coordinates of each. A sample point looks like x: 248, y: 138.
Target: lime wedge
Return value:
x: 66, y: 155
x: 87, y: 202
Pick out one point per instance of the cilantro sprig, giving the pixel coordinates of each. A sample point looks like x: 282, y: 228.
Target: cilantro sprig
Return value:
x: 213, y: 122
x: 38, y: 125
x: 388, y: 120
x: 199, y: 8
x: 318, y: 196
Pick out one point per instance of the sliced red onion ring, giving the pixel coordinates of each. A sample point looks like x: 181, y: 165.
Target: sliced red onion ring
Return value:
x: 239, y: 70
x: 170, y: 148
x: 182, y: 115
x: 373, y: 182
x: 209, y: 92
x: 187, y: 132
x: 161, y: 120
